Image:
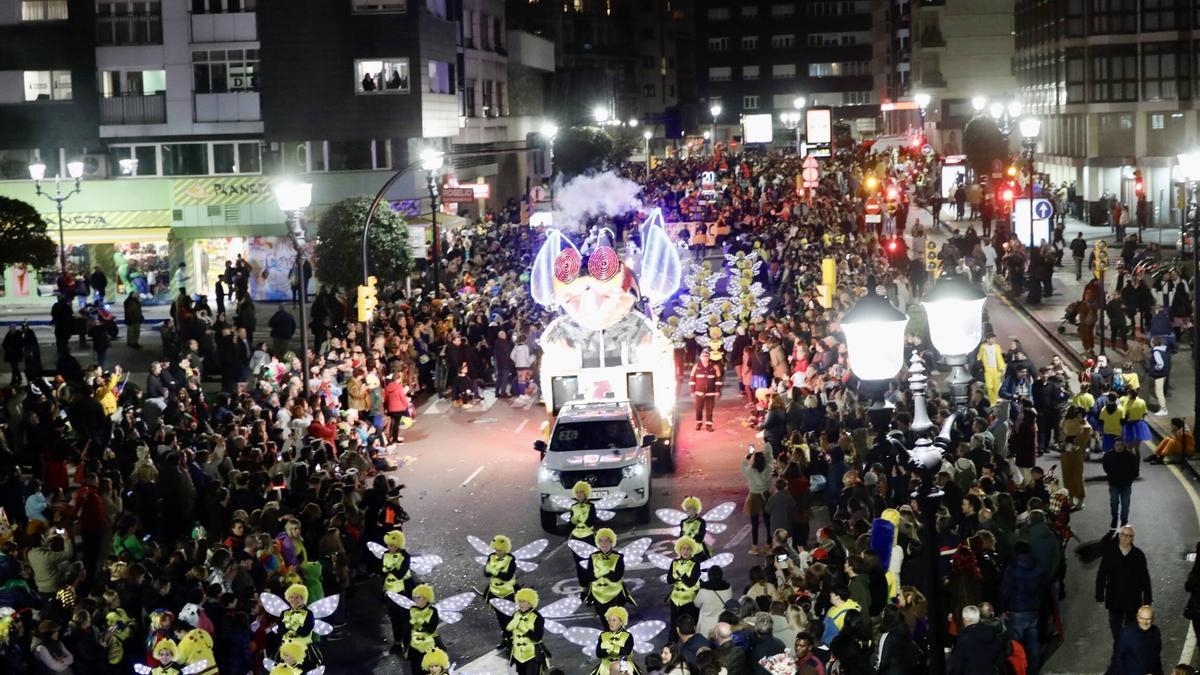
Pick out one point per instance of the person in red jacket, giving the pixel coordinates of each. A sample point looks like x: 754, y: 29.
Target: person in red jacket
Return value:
x: 397, y: 406
x: 89, y: 511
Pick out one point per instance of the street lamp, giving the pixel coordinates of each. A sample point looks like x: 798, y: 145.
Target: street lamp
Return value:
x: 431, y: 162
x: 798, y: 103
x: 293, y: 199
x: 996, y: 110
x: 978, y: 103
x: 874, y: 331
x: 1014, y: 109
x: 1189, y: 165
x: 37, y: 171
x: 633, y: 123
x: 1030, y: 128
x: 647, y: 135
x: 954, y: 309
x: 601, y: 114
x: 715, y: 111
x: 791, y: 121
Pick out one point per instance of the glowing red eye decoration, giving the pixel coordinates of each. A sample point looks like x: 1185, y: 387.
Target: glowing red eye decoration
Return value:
x: 603, y: 263
x: 566, y: 265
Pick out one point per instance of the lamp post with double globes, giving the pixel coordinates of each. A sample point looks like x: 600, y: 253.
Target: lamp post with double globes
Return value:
x: 431, y: 162
x: 715, y: 111
x: 294, y: 199
x: 874, y: 332
x: 1030, y: 127
x: 37, y: 171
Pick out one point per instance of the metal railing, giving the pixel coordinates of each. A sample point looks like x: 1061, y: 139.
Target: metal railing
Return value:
x: 151, y: 109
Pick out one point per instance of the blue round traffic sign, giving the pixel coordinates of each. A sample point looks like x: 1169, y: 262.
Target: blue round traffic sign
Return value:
x: 1042, y: 208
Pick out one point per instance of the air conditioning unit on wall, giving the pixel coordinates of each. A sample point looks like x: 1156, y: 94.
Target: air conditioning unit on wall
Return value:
x: 95, y: 166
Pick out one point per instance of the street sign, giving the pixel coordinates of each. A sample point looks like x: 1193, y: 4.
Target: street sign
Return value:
x: 1042, y: 211
x: 457, y: 195
x: 927, y: 150
x: 873, y: 218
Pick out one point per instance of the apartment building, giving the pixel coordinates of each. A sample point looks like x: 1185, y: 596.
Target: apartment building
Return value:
x: 1113, y: 82
x: 186, y: 112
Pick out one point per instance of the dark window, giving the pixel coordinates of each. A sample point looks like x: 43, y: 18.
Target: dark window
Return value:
x: 1114, y: 76
x: 1075, y: 18
x: 1164, y: 68
x: 1160, y: 15
x: 1113, y: 16
x: 350, y: 156
x: 1076, y: 77
x: 184, y: 159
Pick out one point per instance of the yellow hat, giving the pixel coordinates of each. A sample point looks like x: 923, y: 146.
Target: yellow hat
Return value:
x: 165, y: 646
x: 501, y: 543
x: 435, y: 657
x: 685, y: 541
x: 582, y: 485
x: 692, y: 502
x: 296, y: 590
x: 293, y: 650
x: 892, y: 516
x: 619, y: 612
x: 528, y: 595
x: 5, y: 629
x: 394, y: 538
x: 606, y: 533
x: 424, y: 591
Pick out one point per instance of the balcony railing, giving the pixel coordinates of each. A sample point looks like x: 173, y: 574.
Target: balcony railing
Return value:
x: 150, y: 109
x: 130, y: 29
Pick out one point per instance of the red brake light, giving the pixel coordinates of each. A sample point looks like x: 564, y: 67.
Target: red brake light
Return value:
x: 1008, y: 195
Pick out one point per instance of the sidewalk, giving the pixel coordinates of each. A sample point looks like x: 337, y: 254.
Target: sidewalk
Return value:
x: 1048, y: 315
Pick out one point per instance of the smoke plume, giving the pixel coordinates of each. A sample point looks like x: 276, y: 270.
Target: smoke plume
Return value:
x: 586, y: 197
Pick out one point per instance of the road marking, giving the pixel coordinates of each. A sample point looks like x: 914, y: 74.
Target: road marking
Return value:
x: 472, y: 476
x: 737, y: 538
x: 521, y: 426
x: 434, y: 407
x: 488, y: 664
x: 484, y: 404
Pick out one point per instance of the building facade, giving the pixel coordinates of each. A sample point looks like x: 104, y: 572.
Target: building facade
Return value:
x: 758, y: 57
x: 1113, y: 82
x: 187, y: 112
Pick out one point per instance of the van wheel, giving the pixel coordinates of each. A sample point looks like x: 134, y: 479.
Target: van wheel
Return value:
x: 549, y: 521
x: 641, y: 515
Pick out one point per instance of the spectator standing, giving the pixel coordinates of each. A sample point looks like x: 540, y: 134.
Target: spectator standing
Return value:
x: 1120, y: 469
x: 756, y: 468
x: 283, y: 328
x: 978, y: 650
x: 134, y: 318
x: 1021, y: 599
x: 1139, y: 647
x: 1159, y: 367
x: 1123, y: 581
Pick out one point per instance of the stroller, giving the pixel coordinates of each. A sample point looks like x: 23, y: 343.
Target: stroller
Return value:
x: 1070, y: 317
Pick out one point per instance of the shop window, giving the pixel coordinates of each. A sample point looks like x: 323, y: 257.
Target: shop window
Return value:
x: 47, y: 85
x: 185, y: 159
x: 44, y: 10
x: 366, y: 6
x: 441, y: 78
x: 381, y: 76
x: 220, y: 71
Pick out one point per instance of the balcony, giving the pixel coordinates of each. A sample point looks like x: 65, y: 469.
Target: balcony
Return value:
x: 150, y: 109
x: 226, y: 27
x: 129, y: 29
x: 228, y: 107
x: 931, y: 80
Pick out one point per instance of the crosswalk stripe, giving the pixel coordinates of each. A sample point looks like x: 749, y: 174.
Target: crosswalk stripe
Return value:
x: 491, y: 663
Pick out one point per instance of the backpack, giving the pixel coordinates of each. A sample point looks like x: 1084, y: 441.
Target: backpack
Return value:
x: 831, y: 629
x: 1015, y: 663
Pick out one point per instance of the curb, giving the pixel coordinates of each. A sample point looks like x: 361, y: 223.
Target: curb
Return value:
x: 1069, y: 351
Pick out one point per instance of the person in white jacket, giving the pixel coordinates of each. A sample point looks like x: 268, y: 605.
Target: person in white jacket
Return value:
x: 711, y: 599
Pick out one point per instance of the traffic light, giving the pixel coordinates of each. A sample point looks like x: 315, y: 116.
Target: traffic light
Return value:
x: 368, y: 299
x: 932, y: 260
x: 892, y: 193
x: 1012, y: 170
x: 1139, y: 185
x: 1008, y: 194
x: 872, y: 183
x: 1101, y: 255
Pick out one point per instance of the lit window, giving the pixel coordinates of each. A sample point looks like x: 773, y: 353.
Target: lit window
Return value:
x: 718, y: 44
x: 47, y: 85
x: 381, y: 76
x: 783, y: 41
x: 441, y: 78
x: 783, y: 71
x: 44, y: 10
x: 720, y: 74
x: 749, y: 43
x: 750, y: 72
x: 220, y: 71
x: 750, y: 102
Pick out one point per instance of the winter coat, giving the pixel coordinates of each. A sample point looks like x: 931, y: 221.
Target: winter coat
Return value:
x: 1123, y: 580
x: 1138, y: 652
x: 1021, y: 587
x: 976, y: 652
x: 711, y: 602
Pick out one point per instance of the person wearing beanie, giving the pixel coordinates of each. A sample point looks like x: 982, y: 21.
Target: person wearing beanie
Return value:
x: 423, y: 623
x: 523, y: 635
x: 584, y: 521
x: 291, y: 658
x: 397, y: 578
x: 298, y: 623
x: 615, y: 644
x: 436, y: 662
x: 500, y: 569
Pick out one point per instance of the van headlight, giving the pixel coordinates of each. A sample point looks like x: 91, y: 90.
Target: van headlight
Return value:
x: 634, y: 470
x: 548, y: 475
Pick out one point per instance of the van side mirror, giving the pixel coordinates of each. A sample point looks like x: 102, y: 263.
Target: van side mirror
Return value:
x: 648, y: 440
x: 540, y: 446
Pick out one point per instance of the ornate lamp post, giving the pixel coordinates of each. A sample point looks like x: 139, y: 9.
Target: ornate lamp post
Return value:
x: 294, y: 199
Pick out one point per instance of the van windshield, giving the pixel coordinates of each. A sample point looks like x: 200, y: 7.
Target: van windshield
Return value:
x: 598, y: 435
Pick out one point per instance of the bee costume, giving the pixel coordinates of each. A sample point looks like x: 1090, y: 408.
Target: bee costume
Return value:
x: 398, y: 578
x: 166, y: 653
x: 423, y: 625
x: 523, y: 635
x: 605, y: 585
x: 298, y: 624
x: 612, y: 646
x: 435, y: 662
x: 684, y: 578
x: 501, y: 573
x: 292, y: 655
x: 583, y: 522
x: 694, y: 528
